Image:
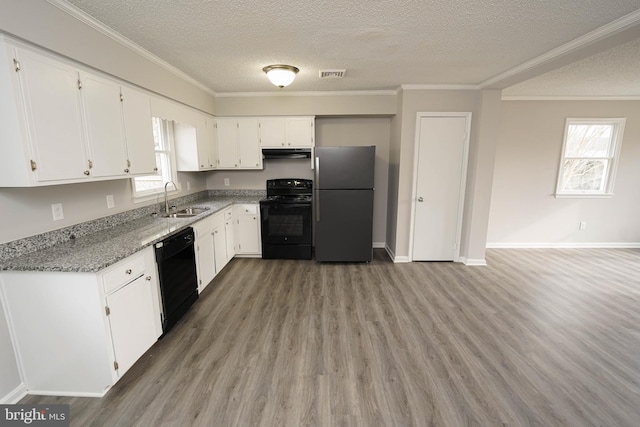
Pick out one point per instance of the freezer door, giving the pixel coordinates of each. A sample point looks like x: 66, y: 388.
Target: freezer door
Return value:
x: 344, y: 167
x: 344, y: 225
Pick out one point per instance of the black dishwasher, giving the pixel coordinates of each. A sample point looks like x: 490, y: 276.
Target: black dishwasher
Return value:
x: 176, y: 261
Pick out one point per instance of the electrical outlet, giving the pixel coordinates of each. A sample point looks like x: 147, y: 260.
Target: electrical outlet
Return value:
x: 110, y: 202
x: 226, y: 182
x: 583, y: 225
x: 57, y: 211
x: 188, y: 185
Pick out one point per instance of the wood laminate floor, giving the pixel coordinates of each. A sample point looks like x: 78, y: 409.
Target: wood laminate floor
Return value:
x: 537, y: 338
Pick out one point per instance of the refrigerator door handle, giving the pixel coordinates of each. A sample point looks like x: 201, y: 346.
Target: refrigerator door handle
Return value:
x: 317, y: 186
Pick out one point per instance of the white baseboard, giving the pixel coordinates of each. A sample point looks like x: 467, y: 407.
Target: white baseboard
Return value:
x: 66, y: 393
x: 394, y: 258
x: 379, y: 245
x: 473, y: 262
x: 15, y: 395
x: 565, y: 245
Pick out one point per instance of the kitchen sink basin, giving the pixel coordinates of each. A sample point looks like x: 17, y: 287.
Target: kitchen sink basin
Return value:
x: 186, y: 213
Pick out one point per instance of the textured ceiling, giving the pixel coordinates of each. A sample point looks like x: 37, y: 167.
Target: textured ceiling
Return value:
x: 382, y: 44
x: 615, y: 72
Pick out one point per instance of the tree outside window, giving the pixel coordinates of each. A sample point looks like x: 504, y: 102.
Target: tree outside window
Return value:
x: 589, y: 157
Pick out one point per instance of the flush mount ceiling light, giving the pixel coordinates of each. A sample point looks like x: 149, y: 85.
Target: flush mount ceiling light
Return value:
x: 281, y: 75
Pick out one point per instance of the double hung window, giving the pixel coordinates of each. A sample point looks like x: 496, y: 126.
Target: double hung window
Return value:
x: 163, y: 139
x: 589, y: 157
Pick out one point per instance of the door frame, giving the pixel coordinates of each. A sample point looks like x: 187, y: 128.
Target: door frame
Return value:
x: 463, y: 182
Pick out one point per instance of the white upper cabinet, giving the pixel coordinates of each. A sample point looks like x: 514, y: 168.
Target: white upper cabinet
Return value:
x: 136, y: 110
x: 300, y: 131
x: 195, y: 139
x: 238, y: 143
x: 42, y: 132
x: 211, y: 138
x: 287, y: 132
x: 61, y: 124
x: 104, y: 124
x: 272, y: 132
x: 250, y: 153
x: 227, y: 130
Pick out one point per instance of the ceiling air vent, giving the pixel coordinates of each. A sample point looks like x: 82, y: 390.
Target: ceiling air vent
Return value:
x: 332, y: 74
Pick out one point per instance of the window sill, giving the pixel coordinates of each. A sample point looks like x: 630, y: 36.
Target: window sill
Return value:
x: 584, y: 196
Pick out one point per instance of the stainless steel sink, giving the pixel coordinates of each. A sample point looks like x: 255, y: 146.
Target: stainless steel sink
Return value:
x: 186, y: 213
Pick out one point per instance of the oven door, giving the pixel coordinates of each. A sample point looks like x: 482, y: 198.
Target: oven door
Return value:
x: 285, y: 224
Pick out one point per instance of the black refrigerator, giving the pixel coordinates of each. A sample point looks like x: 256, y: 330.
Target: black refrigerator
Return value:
x: 343, y: 201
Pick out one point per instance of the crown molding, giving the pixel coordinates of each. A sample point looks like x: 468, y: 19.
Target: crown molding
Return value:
x: 440, y: 87
x: 571, y: 98
x: 88, y: 20
x: 307, y: 93
x: 599, y: 34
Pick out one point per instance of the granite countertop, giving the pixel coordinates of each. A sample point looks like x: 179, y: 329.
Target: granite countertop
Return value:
x: 95, y: 251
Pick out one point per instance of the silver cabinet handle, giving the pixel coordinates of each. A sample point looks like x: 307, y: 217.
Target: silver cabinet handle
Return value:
x: 420, y: 199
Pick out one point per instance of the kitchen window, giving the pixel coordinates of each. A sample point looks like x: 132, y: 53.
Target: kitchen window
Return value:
x: 590, y: 155
x: 163, y: 140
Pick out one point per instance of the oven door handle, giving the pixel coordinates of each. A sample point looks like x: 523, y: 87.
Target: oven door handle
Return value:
x: 317, y: 186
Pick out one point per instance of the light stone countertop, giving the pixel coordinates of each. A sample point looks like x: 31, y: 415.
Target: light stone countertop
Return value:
x: 95, y: 251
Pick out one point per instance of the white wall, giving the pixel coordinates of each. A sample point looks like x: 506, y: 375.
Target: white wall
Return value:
x: 524, y: 211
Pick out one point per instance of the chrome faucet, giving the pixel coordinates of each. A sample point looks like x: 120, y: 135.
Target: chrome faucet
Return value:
x: 166, y: 199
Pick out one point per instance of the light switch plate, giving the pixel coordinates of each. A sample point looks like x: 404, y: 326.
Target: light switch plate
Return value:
x: 57, y: 211
x: 110, y: 202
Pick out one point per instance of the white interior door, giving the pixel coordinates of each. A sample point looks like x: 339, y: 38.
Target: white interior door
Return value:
x: 440, y: 187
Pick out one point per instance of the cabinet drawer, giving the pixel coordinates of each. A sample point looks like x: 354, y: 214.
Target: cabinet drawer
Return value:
x: 246, y: 209
x: 122, y: 273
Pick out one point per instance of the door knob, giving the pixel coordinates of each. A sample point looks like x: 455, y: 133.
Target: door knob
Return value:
x: 420, y: 199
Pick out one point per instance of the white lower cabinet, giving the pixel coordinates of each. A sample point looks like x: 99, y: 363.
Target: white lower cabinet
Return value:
x: 132, y: 318
x: 247, y: 229
x: 214, y: 245
x: 77, y: 333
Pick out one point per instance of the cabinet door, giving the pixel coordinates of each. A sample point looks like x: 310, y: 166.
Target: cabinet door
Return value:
x: 132, y: 321
x: 248, y: 234
x: 249, y: 149
x: 300, y: 132
x: 227, y: 130
x: 211, y: 141
x: 229, y: 237
x: 272, y: 132
x: 136, y: 110
x: 105, y: 130
x: 53, y: 111
x: 205, y: 259
x: 203, y: 144
x: 219, y: 247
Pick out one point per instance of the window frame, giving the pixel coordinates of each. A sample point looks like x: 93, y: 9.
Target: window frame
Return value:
x: 612, y: 158
x: 169, y: 152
